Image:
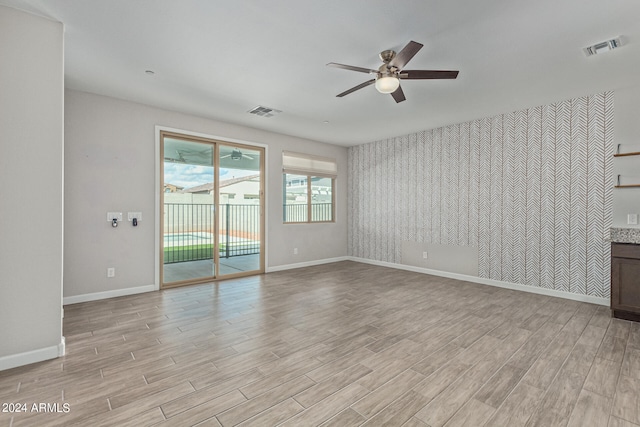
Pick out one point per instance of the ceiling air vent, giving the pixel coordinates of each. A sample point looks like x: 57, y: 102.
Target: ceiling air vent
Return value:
x: 264, y: 111
x: 601, y: 47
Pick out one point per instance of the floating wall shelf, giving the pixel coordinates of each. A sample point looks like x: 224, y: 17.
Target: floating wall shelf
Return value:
x: 626, y: 185
x: 619, y: 154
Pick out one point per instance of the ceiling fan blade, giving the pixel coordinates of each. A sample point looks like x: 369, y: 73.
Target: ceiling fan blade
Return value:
x: 352, y: 68
x: 224, y: 157
x: 405, y: 55
x: 428, y: 74
x: 247, y: 157
x: 398, y: 95
x: 353, y: 89
x: 171, y: 160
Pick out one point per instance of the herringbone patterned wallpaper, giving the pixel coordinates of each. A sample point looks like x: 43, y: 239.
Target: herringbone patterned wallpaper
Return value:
x: 530, y: 189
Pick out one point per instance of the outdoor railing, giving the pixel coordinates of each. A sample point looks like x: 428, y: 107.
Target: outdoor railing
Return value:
x: 188, y: 228
x: 189, y: 231
x: 297, y: 212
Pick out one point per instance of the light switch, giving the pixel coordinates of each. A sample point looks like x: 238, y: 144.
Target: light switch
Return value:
x: 632, y: 219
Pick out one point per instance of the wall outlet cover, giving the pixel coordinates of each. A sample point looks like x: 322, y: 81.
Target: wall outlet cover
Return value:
x: 632, y: 219
x: 137, y: 215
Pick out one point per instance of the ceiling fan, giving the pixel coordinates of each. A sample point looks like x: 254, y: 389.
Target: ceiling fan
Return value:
x: 388, y: 76
x: 237, y: 155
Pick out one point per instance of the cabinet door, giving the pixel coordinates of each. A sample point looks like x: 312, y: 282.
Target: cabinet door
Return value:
x: 625, y: 284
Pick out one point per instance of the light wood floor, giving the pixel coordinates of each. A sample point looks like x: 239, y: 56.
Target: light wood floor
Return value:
x: 336, y: 345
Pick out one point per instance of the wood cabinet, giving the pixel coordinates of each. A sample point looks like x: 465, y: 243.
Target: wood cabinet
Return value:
x: 625, y: 281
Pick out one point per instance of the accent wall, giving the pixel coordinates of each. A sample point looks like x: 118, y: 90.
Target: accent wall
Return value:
x: 529, y: 192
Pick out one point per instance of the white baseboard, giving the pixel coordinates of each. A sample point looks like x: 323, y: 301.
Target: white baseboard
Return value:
x: 33, y: 356
x: 306, y: 264
x: 490, y: 282
x: 107, y: 294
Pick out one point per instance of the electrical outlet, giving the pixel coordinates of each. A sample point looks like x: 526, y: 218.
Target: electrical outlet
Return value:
x: 632, y: 219
x: 295, y: 251
x: 425, y: 255
x: 111, y: 272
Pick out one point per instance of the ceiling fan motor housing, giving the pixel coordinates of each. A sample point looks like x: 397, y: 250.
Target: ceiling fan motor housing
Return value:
x: 386, y: 70
x: 387, y: 55
x: 236, y: 155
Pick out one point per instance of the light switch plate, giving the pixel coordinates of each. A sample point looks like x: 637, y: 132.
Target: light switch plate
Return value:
x: 116, y: 215
x: 131, y: 215
x: 632, y: 219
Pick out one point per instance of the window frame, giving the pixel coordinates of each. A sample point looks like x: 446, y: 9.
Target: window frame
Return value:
x: 305, y: 167
x: 309, y: 201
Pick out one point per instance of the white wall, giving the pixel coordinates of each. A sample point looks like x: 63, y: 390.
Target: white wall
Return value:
x: 109, y: 166
x: 627, y: 133
x: 31, y: 164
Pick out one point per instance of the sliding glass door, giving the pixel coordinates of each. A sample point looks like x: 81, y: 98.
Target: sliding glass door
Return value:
x: 240, y: 200
x: 212, y: 210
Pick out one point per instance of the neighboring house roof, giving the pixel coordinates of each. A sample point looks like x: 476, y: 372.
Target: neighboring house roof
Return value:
x: 232, y: 181
x: 225, y: 183
x: 199, y: 188
x: 177, y: 187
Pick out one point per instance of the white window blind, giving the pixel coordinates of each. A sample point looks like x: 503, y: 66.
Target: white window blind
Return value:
x: 307, y: 164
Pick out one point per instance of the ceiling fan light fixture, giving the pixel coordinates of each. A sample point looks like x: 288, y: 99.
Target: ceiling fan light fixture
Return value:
x: 387, y: 84
x: 236, y: 155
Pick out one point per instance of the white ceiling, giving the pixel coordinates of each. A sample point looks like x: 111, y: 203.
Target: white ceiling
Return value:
x: 219, y: 59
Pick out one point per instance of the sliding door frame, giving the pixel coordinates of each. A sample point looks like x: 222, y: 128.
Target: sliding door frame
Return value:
x: 160, y: 133
x: 263, y: 200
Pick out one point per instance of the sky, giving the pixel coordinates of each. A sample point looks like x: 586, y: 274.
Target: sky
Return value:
x: 187, y: 176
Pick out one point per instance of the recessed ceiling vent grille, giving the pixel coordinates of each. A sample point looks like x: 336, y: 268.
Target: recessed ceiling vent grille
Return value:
x: 264, y: 111
x: 601, y: 47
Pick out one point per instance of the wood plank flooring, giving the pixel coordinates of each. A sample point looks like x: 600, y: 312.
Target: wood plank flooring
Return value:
x: 342, y: 344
